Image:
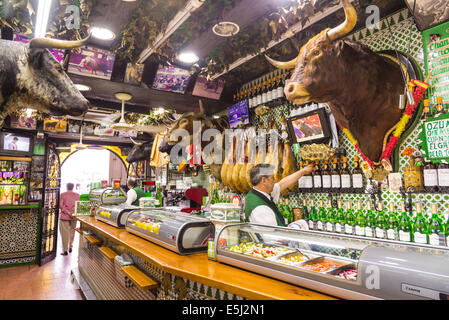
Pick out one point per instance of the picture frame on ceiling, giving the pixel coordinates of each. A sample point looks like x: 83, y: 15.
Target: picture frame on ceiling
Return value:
x: 22, y: 122
x: 171, y: 79
x: 428, y: 13
x: 55, y: 125
x: 92, y: 62
x: 134, y: 73
x: 208, y: 88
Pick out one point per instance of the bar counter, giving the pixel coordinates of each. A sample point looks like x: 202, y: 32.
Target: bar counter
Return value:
x: 199, y: 269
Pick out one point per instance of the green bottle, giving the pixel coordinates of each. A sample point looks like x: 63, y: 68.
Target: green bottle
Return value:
x: 435, y: 227
x: 330, y: 218
x: 370, y: 221
x: 159, y: 198
x: 393, y: 224
x: 215, y: 197
x: 305, y: 211
x: 405, y: 226
x: 313, y: 216
x: 420, y: 226
x: 360, y: 220
x: 350, y: 219
x: 288, y: 212
x: 381, y: 222
x: 340, y: 221
x: 281, y: 206
x: 321, y: 217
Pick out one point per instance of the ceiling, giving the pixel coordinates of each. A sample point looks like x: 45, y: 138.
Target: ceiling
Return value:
x: 195, y: 34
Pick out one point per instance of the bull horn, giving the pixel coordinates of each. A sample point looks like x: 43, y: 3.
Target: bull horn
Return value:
x: 136, y: 143
x: 282, y: 65
x: 201, y: 107
x: 347, y: 26
x: 58, y: 44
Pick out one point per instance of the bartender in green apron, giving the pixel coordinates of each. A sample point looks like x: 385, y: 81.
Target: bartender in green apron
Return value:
x: 260, y: 205
x: 134, y: 193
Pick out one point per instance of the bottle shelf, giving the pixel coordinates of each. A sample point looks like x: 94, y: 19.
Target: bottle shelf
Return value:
x: 334, y: 191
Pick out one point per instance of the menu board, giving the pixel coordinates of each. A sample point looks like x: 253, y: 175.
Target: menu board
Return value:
x: 435, y: 135
x: 436, y: 55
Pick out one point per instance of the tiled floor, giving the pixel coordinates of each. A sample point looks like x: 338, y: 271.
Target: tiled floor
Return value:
x: 50, y: 282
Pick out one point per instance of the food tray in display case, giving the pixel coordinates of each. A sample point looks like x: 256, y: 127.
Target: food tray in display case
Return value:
x: 114, y: 215
x: 344, y: 266
x: 107, y: 196
x: 179, y: 232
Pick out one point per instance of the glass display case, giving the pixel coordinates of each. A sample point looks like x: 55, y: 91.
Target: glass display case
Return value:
x: 179, y: 232
x: 107, y: 196
x: 114, y: 215
x: 344, y: 266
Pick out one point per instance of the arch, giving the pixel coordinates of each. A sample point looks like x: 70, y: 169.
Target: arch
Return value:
x: 63, y: 156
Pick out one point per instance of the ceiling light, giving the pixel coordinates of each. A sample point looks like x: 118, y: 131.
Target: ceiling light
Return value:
x: 226, y: 29
x: 188, y: 57
x: 159, y: 111
x: 29, y: 112
x: 102, y: 33
x: 82, y: 87
x: 43, y: 11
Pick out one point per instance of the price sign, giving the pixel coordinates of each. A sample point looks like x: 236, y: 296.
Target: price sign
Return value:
x: 434, y: 138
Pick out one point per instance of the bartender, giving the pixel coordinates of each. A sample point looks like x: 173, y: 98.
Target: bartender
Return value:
x: 260, y: 206
x: 134, y: 193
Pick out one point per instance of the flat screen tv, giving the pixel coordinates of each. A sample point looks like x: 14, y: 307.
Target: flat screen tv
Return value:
x: 171, y: 79
x: 208, y: 88
x: 15, y: 144
x: 92, y: 62
x: 57, y: 53
x: 310, y: 127
x: 238, y: 114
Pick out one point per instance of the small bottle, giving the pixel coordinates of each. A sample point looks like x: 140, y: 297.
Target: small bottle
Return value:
x: 317, y: 176
x: 381, y: 222
x: 313, y: 217
x: 443, y: 176
x: 420, y: 227
x: 302, y: 180
x: 340, y: 220
x: 370, y: 221
x: 305, y: 211
x: 330, y: 218
x: 360, y: 220
x: 269, y: 88
x: 280, y: 89
x: 321, y: 216
x: 430, y: 174
x: 426, y: 110
x: 435, y: 227
x: 308, y: 179
x: 350, y: 219
x: 439, y: 107
x: 326, y: 176
x: 345, y: 175
x: 335, y: 175
x: 405, y: 226
x: 358, y: 182
x: 393, y: 224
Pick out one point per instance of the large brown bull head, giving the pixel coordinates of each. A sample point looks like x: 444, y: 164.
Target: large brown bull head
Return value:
x: 361, y: 88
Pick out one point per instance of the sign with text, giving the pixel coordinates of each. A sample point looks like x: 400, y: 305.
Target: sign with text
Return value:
x: 434, y: 138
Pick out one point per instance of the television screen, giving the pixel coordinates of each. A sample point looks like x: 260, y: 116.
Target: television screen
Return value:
x: 92, y: 62
x: 171, y: 79
x: 238, y: 114
x: 207, y: 88
x: 308, y: 127
x: 57, y: 53
x: 12, y: 142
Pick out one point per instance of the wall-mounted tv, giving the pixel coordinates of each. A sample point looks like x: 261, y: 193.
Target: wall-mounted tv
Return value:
x: 92, y: 62
x: 171, y: 79
x: 309, y: 127
x: 238, y: 114
x: 17, y: 144
x: 57, y: 53
x: 208, y: 88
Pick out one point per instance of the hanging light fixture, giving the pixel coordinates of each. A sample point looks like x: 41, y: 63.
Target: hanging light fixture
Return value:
x: 122, y: 125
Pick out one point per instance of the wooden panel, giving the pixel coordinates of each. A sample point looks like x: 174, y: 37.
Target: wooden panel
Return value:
x: 139, y: 278
x: 108, y: 253
x: 199, y: 268
x: 92, y: 240
x: 15, y: 158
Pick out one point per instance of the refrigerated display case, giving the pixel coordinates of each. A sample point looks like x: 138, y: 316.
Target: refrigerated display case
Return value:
x: 114, y: 215
x: 179, y: 232
x: 344, y: 266
x: 107, y: 196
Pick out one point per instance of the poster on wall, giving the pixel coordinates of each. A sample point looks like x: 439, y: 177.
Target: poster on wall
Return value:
x: 23, y: 123
x: 92, y: 62
x: 134, y: 73
x: 57, y: 53
x: 208, y: 88
x: 428, y: 13
x: 55, y: 125
x: 436, y: 56
x: 171, y: 79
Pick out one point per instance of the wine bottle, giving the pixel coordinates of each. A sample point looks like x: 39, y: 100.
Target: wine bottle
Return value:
x: 259, y: 93
x: 435, y: 227
x: 439, y: 107
x: 269, y: 88
x: 357, y: 175
x: 335, y: 175
x: 326, y: 176
x: 281, y: 206
x: 420, y: 227
x: 443, y: 176
x: 159, y: 197
x: 313, y: 216
x: 245, y: 97
x: 381, y: 222
x: 405, y: 226
x: 305, y: 211
x: 360, y: 220
x: 234, y: 99
x: 345, y: 175
x: 254, y: 98
x: 350, y: 219
x: 317, y: 176
x: 321, y: 216
x: 393, y: 224
x: 330, y: 218
x: 426, y: 110
x: 264, y: 91
x: 250, y: 98
x: 302, y: 179
x: 288, y: 211
x: 340, y: 221
x: 280, y: 88
x: 430, y: 177
x: 308, y: 179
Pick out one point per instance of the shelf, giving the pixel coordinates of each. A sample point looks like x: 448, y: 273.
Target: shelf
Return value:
x: 331, y: 191
x: 108, y: 253
x: 92, y: 240
x: 18, y: 207
x: 139, y: 278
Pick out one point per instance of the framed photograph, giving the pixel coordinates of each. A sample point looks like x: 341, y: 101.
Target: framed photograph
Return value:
x: 20, y: 166
x: 55, y: 125
x: 92, y: 62
x: 429, y: 13
x: 104, y: 131
x: 171, y: 79
x: 134, y: 73
x: 37, y: 180
x: 23, y: 123
x: 208, y: 89
x: 309, y: 127
x: 238, y: 114
x: 128, y: 134
x: 38, y: 164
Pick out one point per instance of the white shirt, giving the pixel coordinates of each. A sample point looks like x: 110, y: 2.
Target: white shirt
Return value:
x: 131, y: 196
x: 264, y: 214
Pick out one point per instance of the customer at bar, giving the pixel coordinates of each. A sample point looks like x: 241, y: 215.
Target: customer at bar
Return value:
x: 134, y: 193
x: 260, y: 206
x: 67, y: 223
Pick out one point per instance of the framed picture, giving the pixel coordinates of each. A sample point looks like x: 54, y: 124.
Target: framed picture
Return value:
x: 20, y: 166
x: 128, y: 134
x: 309, y: 127
x: 428, y: 13
x: 39, y: 147
x: 37, y: 180
x: 104, y: 131
x: 134, y: 73
x: 92, y: 62
x: 23, y: 123
x: 208, y: 88
x: 171, y: 79
x: 238, y: 114
x: 55, y: 125
x: 38, y: 164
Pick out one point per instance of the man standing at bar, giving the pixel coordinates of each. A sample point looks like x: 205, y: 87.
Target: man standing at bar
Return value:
x: 67, y: 223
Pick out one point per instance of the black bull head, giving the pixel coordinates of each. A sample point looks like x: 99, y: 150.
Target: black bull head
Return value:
x: 30, y: 77
x: 140, y: 151
x: 361, y: 87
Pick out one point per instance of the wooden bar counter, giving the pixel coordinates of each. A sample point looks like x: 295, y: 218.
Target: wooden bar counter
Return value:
x: 198, y: 268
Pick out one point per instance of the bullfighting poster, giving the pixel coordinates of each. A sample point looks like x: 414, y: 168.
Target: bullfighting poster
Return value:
x: 92, y: 62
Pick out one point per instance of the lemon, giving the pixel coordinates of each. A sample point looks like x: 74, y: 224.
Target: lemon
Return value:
x: 143, y: 225
x: 137, y: 224
x: 156, y: 228
x: 150, y: 227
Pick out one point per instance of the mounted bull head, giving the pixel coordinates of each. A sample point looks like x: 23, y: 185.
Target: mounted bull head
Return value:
x: 361, y: 87
x: 30, y: 77
x: 140, y: 151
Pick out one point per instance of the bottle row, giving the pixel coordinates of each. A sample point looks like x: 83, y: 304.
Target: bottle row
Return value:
x: 381, y: 224
x: 436, y: 109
